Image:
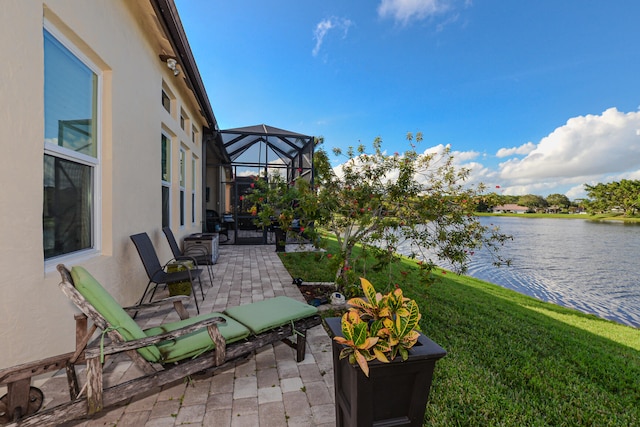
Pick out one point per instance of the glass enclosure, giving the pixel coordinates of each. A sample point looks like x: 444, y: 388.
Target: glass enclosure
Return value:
x: 255, y: 151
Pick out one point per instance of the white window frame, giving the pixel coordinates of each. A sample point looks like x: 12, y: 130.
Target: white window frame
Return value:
x: 182, y: 184
x: 94, y: 162
x: 173, y: 105
x: 164, y: 183
x: 194, y: 169
x: 165, y: 94
x: 185, y: 121
x: 194, y: 132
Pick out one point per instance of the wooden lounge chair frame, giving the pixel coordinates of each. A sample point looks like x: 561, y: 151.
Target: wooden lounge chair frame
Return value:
x: 155, y: 375
x: 18, y: 378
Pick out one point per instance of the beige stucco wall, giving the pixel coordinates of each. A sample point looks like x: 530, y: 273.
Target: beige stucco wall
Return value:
x: 36, y: 320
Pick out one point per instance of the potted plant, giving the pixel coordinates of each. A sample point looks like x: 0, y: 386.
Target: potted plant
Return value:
x: 383, y: 365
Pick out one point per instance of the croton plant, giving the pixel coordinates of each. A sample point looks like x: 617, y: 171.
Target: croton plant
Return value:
x: 378, y: 327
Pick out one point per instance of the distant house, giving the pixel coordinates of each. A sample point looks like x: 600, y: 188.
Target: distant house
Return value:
x: 510, y: 208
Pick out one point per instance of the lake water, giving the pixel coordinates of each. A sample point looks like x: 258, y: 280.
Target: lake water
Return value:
x: 586, y: 265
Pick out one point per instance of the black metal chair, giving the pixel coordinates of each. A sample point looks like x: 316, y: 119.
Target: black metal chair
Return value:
x: 214, y: 224
x: 198, y: 255
x: 156, y: 272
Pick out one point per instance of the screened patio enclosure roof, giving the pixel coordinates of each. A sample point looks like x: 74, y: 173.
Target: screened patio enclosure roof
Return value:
x: 264, y: 145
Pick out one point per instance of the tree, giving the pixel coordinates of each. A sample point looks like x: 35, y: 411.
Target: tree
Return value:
x: 379, y: 201
x: 291, y: 206
x: 506, y: 199
x: 578, y: 205
x: 486, y: 202
x: 623, y: 195
x: 558, y: 200
x: 532, y: 201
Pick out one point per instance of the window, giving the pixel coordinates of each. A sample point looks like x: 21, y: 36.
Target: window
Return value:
x: 193, y: 134
x: 71, y: 86
x: 183, y: 178
x: 166, y: 179
x: 193, y: 190
x: 185, y: 123
x: 166, y: 101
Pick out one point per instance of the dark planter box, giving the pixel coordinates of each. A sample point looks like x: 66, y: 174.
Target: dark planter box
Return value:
x: 281, y: 239
x: 394, y: 394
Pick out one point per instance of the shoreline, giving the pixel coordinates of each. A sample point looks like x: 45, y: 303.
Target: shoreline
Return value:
x: 587, y: 217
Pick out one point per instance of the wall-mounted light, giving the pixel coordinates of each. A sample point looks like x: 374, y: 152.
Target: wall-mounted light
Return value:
x: 172, y: 63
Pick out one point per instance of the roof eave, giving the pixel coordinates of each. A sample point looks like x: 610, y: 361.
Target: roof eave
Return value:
x: 170, y: 20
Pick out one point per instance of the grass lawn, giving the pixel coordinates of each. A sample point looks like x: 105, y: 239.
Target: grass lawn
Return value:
x: 512, y: 360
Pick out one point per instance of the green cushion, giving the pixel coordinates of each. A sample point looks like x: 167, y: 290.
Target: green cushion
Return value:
x: 270, y: 313
x: 109, y: 308
x: 257, y: 317
x: 197, y: 342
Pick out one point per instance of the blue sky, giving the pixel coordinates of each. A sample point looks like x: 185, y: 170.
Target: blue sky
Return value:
x: 536, y: 97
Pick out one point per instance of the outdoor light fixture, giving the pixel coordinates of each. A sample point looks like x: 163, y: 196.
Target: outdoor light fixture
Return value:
x: 172, y: 63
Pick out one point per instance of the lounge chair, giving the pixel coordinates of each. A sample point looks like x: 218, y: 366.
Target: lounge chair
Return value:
x: 198, y: 255
x: 23, y: 400
x: 170, y: 351
x: 158, y: 273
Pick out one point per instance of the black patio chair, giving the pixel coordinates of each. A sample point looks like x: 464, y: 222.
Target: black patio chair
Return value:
x: 157, y: 273
x: 214, y: 224
x: 199, y: 255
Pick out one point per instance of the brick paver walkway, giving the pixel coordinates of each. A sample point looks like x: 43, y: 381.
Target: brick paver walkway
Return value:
x: 266, y: 389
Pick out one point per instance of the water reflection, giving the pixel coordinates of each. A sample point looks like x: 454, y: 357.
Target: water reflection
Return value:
x: 586, y: 265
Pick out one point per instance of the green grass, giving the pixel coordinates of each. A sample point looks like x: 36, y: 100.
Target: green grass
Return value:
x: 513, y: 360
x: 318, y: 267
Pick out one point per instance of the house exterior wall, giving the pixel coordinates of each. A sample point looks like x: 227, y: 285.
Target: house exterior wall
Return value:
x: 122, y: 39
x: 510, y: 208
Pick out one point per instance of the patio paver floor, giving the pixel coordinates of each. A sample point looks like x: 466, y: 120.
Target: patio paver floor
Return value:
x: 266, y: 389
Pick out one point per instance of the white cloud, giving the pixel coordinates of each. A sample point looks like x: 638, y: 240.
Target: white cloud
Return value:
x: 587, y: 149
x: 576, y: 192
x: 405, y: 10
x: 323, y: 27
x: 584, y: 146
x: 464, y: 156
x: 524, y: 149
x: 436, y: 149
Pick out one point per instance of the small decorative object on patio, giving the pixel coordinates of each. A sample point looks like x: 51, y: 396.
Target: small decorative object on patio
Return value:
x: 377, y: 346
x: 179, y: 288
